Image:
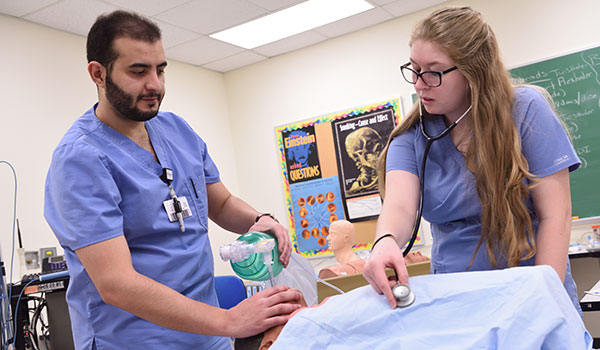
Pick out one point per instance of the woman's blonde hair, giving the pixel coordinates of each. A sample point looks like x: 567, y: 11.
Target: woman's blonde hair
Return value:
x: 494, y: 152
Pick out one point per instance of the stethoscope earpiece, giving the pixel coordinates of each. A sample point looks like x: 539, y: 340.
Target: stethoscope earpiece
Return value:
x: 404, y: 296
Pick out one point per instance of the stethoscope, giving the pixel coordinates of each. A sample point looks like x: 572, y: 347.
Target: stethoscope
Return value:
x: 429, y: 140
x: 401, y: 292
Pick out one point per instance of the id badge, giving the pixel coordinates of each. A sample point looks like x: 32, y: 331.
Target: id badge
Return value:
x: 186, y: 212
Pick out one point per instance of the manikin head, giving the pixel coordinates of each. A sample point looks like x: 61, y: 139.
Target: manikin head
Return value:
x: 341, y: 235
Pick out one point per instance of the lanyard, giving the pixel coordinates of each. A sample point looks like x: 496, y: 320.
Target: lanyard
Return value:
x: 167, y: 177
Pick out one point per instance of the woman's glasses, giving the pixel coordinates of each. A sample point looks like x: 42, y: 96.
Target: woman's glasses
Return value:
x: 430, y: 78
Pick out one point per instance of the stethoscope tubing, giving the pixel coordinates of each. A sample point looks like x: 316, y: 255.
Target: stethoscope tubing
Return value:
x: 429, y: 141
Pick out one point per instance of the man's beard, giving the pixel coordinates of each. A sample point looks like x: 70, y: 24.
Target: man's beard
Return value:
x: 124, y: 102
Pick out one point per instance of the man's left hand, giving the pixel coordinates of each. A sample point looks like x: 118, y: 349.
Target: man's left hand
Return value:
x: 268, y: 225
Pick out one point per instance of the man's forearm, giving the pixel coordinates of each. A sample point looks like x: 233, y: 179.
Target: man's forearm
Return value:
x: 166, y: 307
x: 235, y: 215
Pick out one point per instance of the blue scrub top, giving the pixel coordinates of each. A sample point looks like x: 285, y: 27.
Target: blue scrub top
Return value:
x: 101, y: 185
x: 451, y: 203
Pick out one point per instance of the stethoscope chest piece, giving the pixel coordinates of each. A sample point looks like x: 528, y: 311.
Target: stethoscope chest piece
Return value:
x: 404, y: 296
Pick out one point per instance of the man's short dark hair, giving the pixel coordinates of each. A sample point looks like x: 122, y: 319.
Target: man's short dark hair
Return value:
x: 111, y: 26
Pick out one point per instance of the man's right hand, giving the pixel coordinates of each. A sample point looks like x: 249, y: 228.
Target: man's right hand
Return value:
x: 266, y: 309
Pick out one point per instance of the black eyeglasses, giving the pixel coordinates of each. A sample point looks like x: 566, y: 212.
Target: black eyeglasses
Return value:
x: 430, y: 78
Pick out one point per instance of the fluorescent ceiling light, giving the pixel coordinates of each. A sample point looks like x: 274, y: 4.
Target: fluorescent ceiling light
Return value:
x: 293, y: 20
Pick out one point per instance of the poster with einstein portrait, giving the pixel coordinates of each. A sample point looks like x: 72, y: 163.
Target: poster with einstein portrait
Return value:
x: 359, y: 140
x: 301, y: 154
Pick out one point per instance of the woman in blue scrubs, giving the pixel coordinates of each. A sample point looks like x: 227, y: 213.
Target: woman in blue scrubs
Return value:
x: 497, y: 188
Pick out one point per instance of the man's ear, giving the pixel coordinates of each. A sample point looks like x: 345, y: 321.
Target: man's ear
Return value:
x: 98, y: 73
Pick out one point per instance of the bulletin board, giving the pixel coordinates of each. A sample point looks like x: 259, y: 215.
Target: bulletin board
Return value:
x: 326, y: 171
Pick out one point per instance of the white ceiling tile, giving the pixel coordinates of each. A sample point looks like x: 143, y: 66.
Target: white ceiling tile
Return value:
x: 21, y: 8
x: 74, y: 16
x: 147, y: 7
x: 291, y: 43
x: 201, y: 51
x: 404, y: 7
x: 274, y: 5
x: 354, y: 23
x: 236, y: 61
x: 173, y: 36
x: 210, y: 16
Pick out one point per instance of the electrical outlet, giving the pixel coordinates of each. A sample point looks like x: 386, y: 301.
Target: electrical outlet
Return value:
x: 32, y: 260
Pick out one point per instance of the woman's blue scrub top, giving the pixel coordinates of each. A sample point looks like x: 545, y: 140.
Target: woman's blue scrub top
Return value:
x: 451, y: 203
x: 101, y: 185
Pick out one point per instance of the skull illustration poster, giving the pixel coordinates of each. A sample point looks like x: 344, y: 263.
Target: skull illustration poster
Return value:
x: 359, y: 140
x: 301, y: 154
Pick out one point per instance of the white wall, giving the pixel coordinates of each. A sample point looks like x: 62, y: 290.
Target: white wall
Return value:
x: 45, y: 87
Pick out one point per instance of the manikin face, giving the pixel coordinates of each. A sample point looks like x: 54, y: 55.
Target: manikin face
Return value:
x: 135, y: 84
x: 452, y: 97
x: 335, y: 239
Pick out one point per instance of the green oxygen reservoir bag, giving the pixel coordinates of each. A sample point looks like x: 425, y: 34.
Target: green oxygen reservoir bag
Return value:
x: 252, y: 255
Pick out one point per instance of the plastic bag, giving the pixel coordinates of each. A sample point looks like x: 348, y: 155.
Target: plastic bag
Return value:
x: 299, y: 274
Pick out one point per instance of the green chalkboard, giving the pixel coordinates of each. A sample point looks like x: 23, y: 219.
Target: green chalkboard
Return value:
x: 573, y: 80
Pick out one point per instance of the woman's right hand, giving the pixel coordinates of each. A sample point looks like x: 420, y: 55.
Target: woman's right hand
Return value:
x: 387, y: 254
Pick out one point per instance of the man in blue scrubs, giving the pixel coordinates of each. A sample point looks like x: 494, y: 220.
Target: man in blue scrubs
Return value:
x: 129, y: 193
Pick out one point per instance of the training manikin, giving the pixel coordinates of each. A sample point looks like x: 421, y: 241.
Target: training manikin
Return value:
x: 340, y: 239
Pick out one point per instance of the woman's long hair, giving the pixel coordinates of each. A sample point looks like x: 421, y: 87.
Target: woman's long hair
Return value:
x: 494, y: 152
